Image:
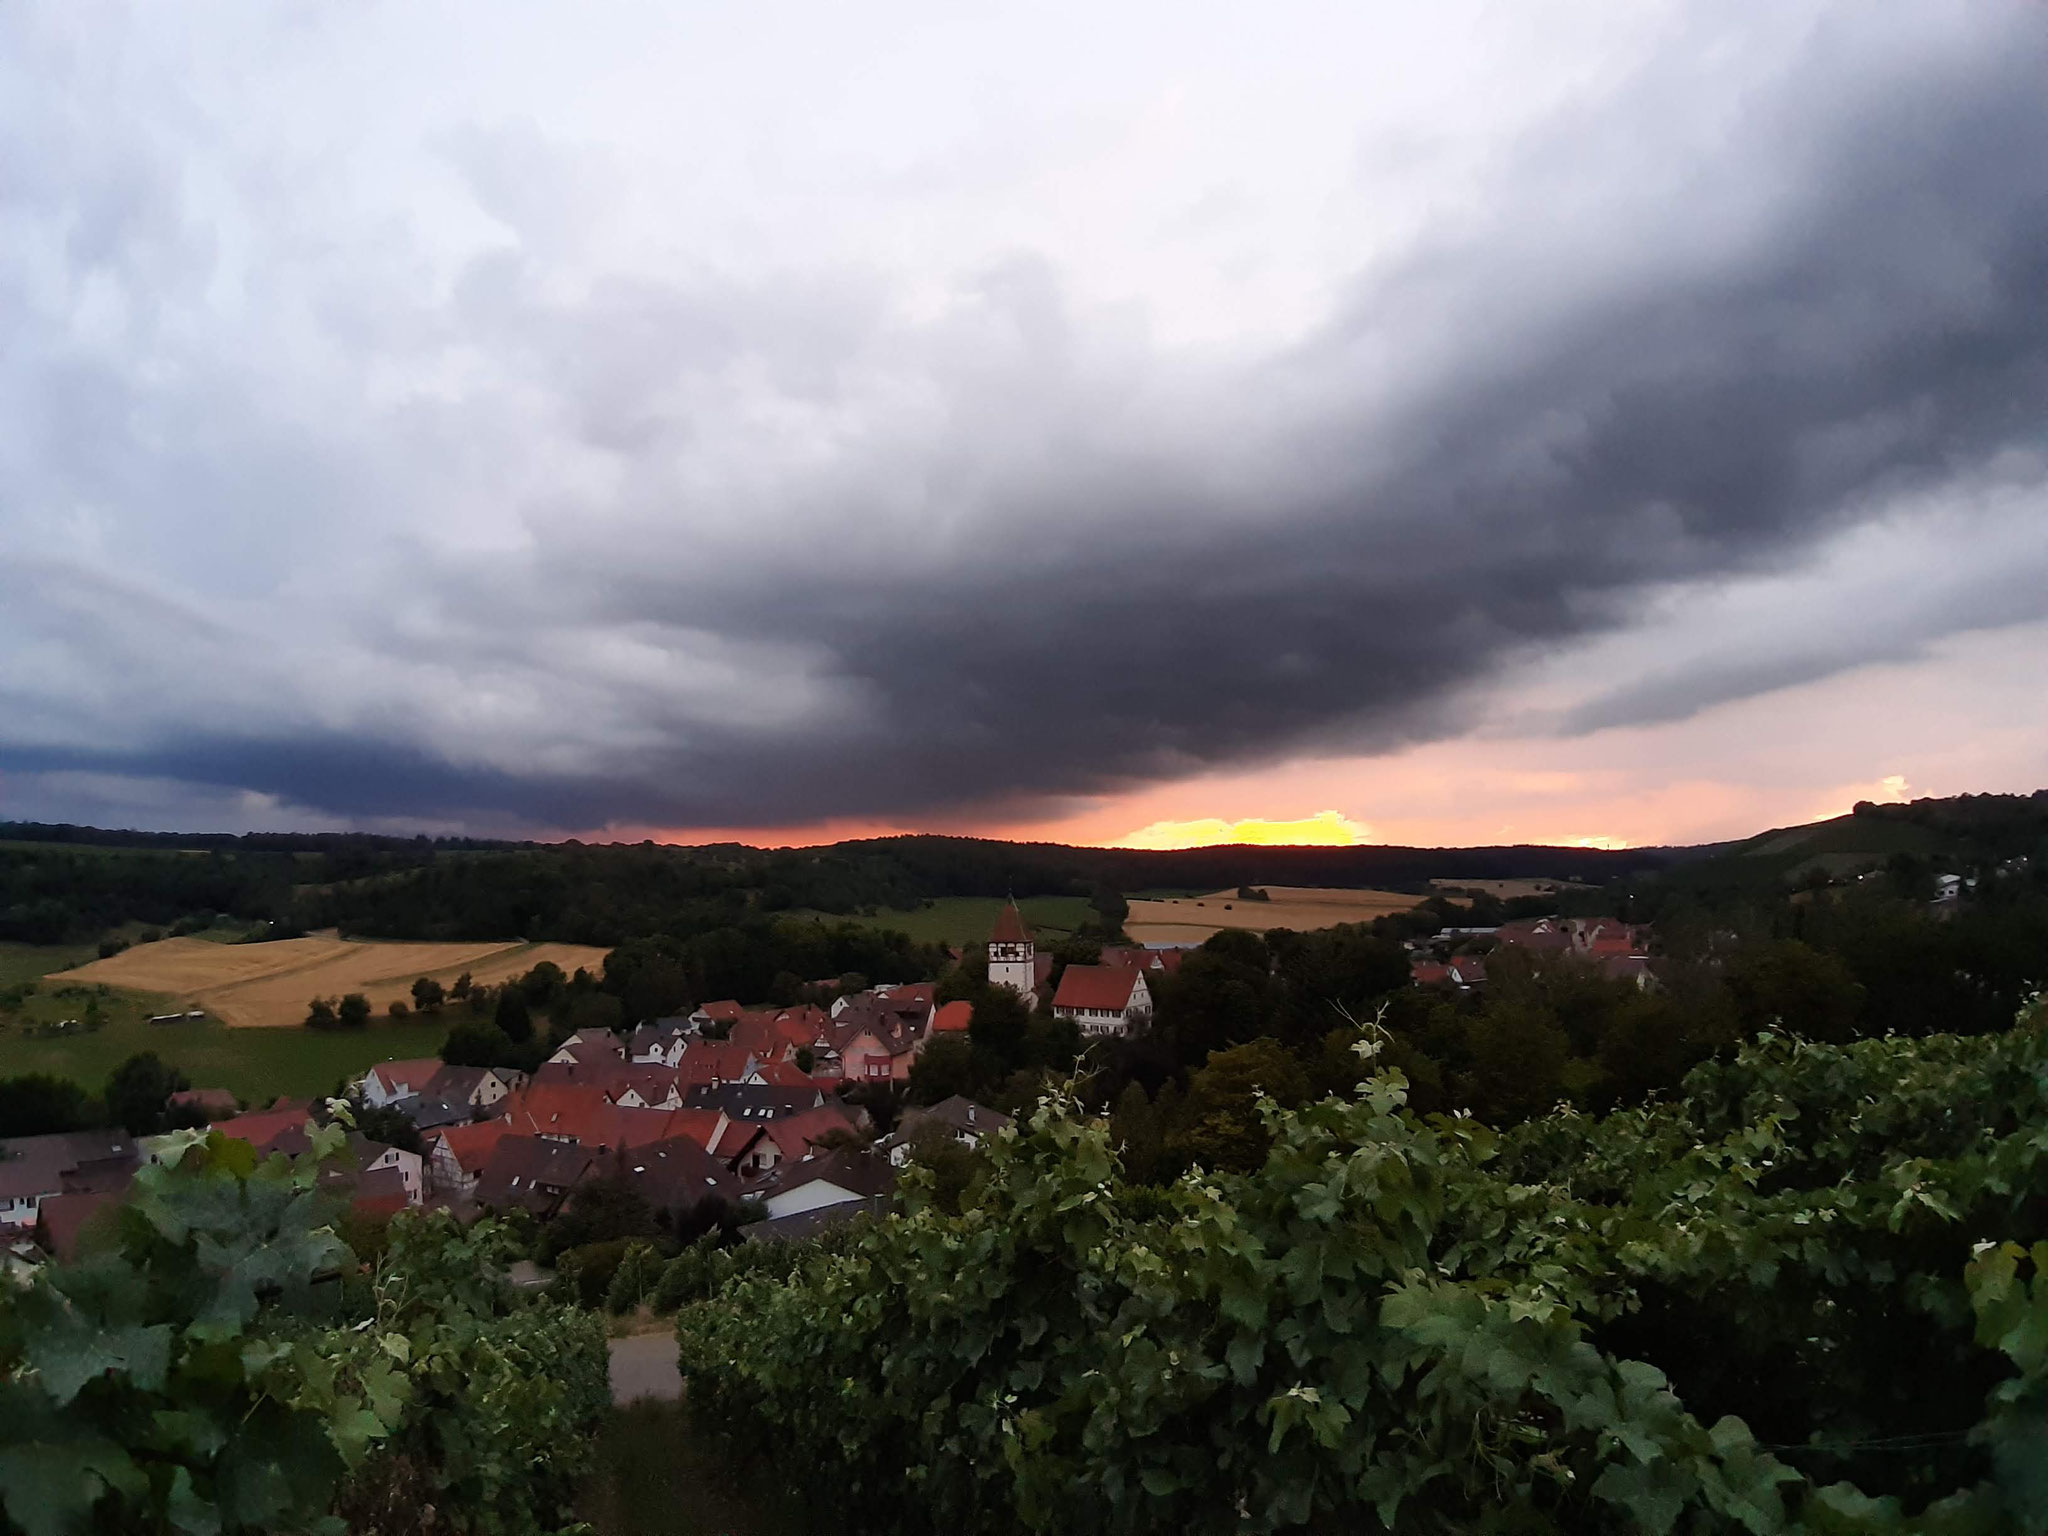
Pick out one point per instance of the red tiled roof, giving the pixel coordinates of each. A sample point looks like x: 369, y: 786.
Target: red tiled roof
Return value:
x: 726, y: 1010
x: 471, y: 1145
x: 1427, y: 973
x: 953, y: 1017
x: 1009, y: 928
x: 263, y: 1126
x: 695, y: 1125
x: 1105, y: 988
x: 782, y: 1074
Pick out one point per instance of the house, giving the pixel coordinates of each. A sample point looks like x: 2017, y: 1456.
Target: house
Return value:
x: 533, y: 1173
x: 362, y: 1158
x: 61, y: 1220
x: 803, y: 1224
x: 657, y: 1044
x: 720, y: 1015
x: 1155, y: 963
x: 432, y: 1114
x: 1012, y: 955
x: 1428, y: 973
x: 954, y: 1018
x: 676, y: 1175
x: 961, y: 1118
x: 589, y: 1046
x: 874, y: 1041
x: 456, y: 1156
x: 390, y: 1081
x: 473, y: 1087
x: 214, y: 1103
x: 755, y: 1101
x: 1103, y: 999
x: 1466, y: 971
x: 262, y: 1127
x: 832, y: 1179
x: 37, y: 1168
x: 1539, y: 934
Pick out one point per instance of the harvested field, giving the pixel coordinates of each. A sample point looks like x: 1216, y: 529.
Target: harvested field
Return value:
x: 1191, y: 919
x: 265, y: 985
x: 1508, y: 890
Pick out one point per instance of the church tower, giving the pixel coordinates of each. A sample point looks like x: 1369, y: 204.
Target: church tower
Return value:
x: 1012, y: 959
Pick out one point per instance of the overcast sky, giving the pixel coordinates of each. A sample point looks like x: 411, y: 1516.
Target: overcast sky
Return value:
x: 1461, y: 422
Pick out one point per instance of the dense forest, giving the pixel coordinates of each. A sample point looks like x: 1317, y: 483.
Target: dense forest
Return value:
x: 61, y: 883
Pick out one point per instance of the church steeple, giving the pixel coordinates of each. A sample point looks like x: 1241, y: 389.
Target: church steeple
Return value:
x: 1012, y: 957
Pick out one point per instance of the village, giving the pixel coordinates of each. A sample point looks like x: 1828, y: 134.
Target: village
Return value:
x: 747, y: 1107
x: 741, y: 1105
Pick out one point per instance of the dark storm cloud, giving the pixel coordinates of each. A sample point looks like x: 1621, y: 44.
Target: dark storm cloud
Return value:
x: 1891, y: 331
x: 1057, y: 566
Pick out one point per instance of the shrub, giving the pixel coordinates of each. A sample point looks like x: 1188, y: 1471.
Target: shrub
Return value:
x: 222, y: 1362
x: 1781, y: 1302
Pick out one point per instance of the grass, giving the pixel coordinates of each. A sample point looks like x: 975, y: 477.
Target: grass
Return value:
x: 962, y: 920
x: 657, y: 1475
x: 256, y: 1064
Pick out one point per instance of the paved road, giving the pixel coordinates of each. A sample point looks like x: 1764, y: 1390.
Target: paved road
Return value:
x: 645, y: 1366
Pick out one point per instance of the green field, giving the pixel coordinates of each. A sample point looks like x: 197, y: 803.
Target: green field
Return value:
x: 256, y: 1064
x: 961, y: 920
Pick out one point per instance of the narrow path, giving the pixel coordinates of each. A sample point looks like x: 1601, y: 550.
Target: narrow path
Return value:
x: 644, y: 1366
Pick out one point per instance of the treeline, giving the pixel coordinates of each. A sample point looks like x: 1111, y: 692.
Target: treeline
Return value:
x: 578, y: 894
x: 55, y: 895
x: 1277, y: 1015
x: 1806, y: 1294
x: 136, y: 1097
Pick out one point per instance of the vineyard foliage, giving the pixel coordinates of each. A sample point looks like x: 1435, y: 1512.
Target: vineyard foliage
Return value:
x: 1811, y: 1294
x: 220, y: 1361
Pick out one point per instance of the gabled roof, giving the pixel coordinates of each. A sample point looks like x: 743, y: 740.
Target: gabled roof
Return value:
x: 725, y: 1011
x: 65, y: 1160
x: 960, y: 1114
x: 1010, y: 927
x: 409, y: 1076
x: 1103, y: 988
x: 953, y: 1017
x: 676, y: 1173
x: 261, y: 1127
x: 471, y: 1145
x: 857, y: 1170
x: 533, y: 1174
x: 214, y: 1103
x: 457, y: 1083
x: 755, y: 1101
x: 797, y: 1136
x: 61, y: 1219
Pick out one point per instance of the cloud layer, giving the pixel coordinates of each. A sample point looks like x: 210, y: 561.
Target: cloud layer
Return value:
x: 406, y: 447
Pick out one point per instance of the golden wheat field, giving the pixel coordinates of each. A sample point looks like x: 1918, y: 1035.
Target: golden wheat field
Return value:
x: 1191, y: 919
x: 266, y: 985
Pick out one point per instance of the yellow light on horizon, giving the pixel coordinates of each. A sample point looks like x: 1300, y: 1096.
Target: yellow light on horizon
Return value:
x: 1325, y: 829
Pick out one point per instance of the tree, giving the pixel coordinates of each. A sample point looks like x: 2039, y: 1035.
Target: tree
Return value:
x: 398, y: 1009
x: 543, y: 983
x: 476, y: 1044
x: 37, y: 1104
x: 1111, y: 910
x: 461, y: 987
x: 946, y: 1067
x: 1220, y: 1125
x: 139, y: 1091
x: 999, y: 1031
x: 320, y: 1014
x: 428, y: 995
x: 512, y: 1017
x: 1790, y: 985
x: 353, y: 1011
